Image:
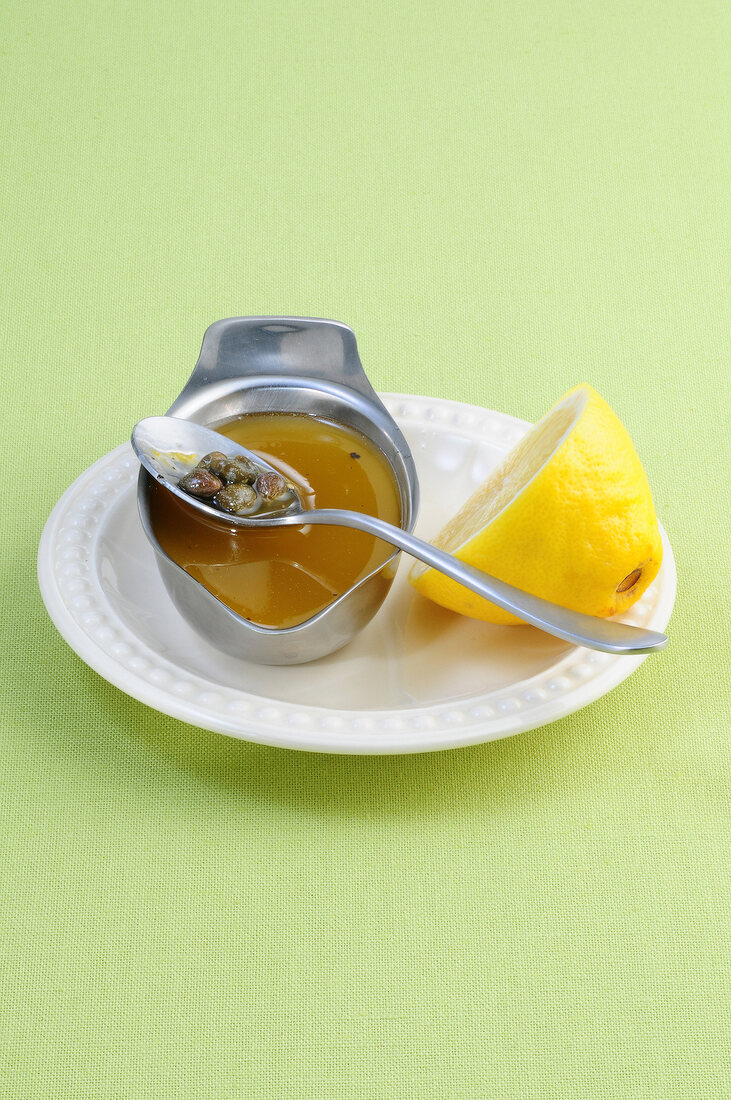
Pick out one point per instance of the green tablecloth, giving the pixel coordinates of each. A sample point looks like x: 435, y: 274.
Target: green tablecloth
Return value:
x: 502, y: 199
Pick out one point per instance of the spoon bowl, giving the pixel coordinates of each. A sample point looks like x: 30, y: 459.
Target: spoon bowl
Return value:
x: 169, y: 448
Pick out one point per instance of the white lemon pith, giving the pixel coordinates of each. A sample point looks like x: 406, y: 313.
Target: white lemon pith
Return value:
x: 567, y: 515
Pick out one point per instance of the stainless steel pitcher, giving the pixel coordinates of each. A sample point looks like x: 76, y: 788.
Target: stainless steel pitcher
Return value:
x: 285, y: 364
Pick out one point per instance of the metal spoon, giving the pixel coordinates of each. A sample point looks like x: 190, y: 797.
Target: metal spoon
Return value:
x: 169, y: 447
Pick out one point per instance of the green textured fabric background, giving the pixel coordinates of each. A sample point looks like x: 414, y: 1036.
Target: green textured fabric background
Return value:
x: 502, y: 199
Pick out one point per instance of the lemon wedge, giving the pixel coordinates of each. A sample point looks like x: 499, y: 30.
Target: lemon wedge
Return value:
x: 567, y: 515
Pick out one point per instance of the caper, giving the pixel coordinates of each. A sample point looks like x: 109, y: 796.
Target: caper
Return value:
x: 270, y: 485
x: 238, y: 469
x: 211, y: 461
x: 237, y: 498
x: 200, y: 483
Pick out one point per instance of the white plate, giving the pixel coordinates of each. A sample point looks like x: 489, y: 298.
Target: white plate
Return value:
x: 418, y: 678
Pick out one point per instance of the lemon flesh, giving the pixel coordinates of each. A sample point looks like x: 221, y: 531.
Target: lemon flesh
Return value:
x: 567, y: 515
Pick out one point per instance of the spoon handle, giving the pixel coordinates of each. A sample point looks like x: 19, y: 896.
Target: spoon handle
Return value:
x: 572, y: 626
